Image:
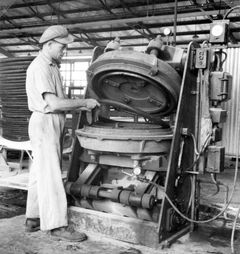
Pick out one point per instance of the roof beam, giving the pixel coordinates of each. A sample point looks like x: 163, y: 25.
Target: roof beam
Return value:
x: 78, y: 23
x: 5, y: 5
x: 35, y: 13
x: 159, y: 9
x: 36, y: 3
x: 133, y: 37
x: 6, y: 52
x: 94, y: 30
x: 109, y: 29
x: 57, y: 11
x: 182, y: 42
x: 106, y: 7
x: 91, y: 41
x: 194, y: 2
x: 123, y: 38
x: 141, y: 29
x: 138, y: 27
x: 125, y: 6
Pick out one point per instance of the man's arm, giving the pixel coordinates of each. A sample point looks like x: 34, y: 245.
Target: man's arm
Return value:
x: 57, y: 104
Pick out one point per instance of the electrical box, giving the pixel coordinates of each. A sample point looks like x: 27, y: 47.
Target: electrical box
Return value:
x: 220, y: 86
x: 219, y: 31
x: 217, y: 134
x: 218, y: 115
x: 215, y: 159
x: 201, y: 58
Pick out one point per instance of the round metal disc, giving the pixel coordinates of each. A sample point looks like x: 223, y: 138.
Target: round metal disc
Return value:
x: 125, y: 137
x: 133, y: 89
x: 139, y: 80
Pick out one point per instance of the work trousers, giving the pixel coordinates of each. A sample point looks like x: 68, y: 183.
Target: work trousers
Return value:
x: 46, y: 195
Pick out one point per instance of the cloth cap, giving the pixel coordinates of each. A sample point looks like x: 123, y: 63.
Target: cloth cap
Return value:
x: 58, y: 33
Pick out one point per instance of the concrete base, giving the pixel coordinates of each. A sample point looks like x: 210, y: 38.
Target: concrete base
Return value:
x: 117, y: 227
x: 14, y: 240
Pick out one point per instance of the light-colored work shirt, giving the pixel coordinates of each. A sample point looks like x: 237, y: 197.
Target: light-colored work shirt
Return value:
x: 43, y: 76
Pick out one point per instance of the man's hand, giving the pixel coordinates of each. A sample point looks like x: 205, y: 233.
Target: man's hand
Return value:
x: 91, y: 104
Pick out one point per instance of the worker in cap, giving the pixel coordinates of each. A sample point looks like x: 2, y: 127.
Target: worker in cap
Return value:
x: 46, y: 201
x: 57, y: 33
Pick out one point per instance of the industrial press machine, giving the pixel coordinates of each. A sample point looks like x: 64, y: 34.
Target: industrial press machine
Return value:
x: 136, y: 159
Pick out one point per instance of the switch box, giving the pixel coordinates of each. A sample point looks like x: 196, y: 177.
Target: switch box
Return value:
x: 215, y: 159
x: 219, y: 31
x: 220, y: 86
x: 218, y: 115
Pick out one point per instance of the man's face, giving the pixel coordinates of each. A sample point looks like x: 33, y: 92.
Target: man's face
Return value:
x: 57, y: 50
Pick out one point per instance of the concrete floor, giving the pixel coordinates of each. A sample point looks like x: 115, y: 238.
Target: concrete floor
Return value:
x: 208, y: 238
x: 14, y: 240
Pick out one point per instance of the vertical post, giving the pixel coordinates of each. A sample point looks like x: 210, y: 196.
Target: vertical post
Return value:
x: 175, y: 24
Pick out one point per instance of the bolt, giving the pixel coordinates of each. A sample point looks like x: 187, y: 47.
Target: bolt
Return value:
x: 127, y: 100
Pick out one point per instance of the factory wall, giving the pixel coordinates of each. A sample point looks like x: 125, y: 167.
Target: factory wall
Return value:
x: 232, y: 125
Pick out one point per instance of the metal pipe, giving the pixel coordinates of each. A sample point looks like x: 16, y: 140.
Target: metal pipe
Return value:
x: 122, y: 196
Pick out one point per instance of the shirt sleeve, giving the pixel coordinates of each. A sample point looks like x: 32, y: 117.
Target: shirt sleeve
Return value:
x: 44, y: 81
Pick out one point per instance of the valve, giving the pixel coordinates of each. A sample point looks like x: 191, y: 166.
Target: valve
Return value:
x: 113, y: 45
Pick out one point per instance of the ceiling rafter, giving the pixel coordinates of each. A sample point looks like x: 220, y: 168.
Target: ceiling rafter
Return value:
x: 89, y: 40
x: 33, y: 42
x: 97, y: 30
x: 143, y: 29
x: 125, y: 6
x: 134, y: 22
x: 157, y: 11
x: 76, y: 22
x: 14, y: 24
x: 127, y: 37
x: 43, y: 2
x: 149, y: 33
x: 6, y: 52
x: 57, y: 11
x: 134, y: 27
x: 106, y: 7
x: 139, y: 27
x: 182, y: 42
x: 186, y: 33
x: 35, y: 12
x: 194, y: 2
x: 4, y: 6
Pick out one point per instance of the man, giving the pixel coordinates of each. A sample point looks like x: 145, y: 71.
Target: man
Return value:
x: 46, y: 202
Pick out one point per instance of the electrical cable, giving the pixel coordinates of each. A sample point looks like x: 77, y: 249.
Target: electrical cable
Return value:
x: 233, y: 231
x: 231, y: 195
x: 197, y: 221
x: 215, y: 193
x: 195, y: 145
x: 217, y: 184
x: 237, y: 134
x: 135, y: 110
x: 232, y: 9
x: 187, y: 218
x: 208, y: 139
